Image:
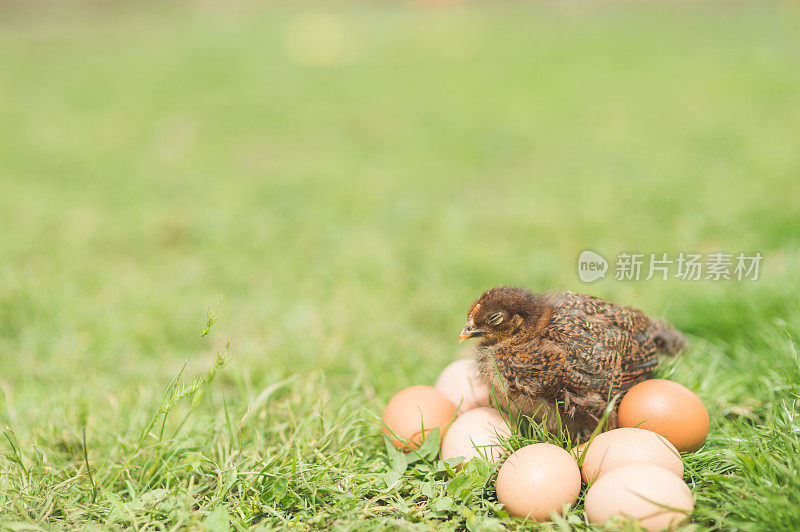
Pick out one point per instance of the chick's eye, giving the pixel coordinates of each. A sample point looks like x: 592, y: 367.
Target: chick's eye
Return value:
x: 495, y: 319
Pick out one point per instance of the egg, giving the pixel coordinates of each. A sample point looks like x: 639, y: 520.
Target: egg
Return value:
x: 647, y: 493
x: 461, y: 383
x: 536, y: 480
x: 625, y: 446
x: 414, y: 408
x: 667, y: 408
x: 476, y: 433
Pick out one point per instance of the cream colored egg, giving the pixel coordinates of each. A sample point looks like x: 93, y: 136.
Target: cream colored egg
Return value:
x: 625, y: 446
x: 476, y: 433
x: 462, y: 384
x: 647, y: 493
x: 538, y: 481
x: 414, y: 412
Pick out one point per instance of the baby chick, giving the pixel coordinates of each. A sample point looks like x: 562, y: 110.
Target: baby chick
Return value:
x: 564, y: 355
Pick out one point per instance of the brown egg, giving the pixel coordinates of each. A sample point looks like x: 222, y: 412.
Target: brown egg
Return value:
x: 414, y: 408
x: 667, y: 408
x: 476, y: 433
x: 645, y: 492
x: 536, y: 480
x: 625, y: 446
x: 461, y: 383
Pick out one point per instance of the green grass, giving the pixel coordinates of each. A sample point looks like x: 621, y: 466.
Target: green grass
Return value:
x: 348, y: 179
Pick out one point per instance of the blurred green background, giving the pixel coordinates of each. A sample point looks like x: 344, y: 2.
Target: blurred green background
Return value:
x: 350, y: 176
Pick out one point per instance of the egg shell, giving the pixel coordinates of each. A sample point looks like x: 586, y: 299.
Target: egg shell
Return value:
x: 414, y: 408
x: 461, y: 383
x: 625, y: 446
x: 536, y: 480
x: 667, y: 408
x: 476, y: 433
x: 645, y: 492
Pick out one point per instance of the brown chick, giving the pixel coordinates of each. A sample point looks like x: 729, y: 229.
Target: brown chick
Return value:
x: 564, y: 354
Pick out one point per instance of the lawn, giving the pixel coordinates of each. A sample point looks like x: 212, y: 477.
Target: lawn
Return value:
x: 332, y: 186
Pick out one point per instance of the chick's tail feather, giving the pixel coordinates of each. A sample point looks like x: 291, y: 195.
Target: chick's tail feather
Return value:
x: 667, y: 338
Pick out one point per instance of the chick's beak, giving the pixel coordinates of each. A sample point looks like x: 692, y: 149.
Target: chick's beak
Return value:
x: 467, y: 333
